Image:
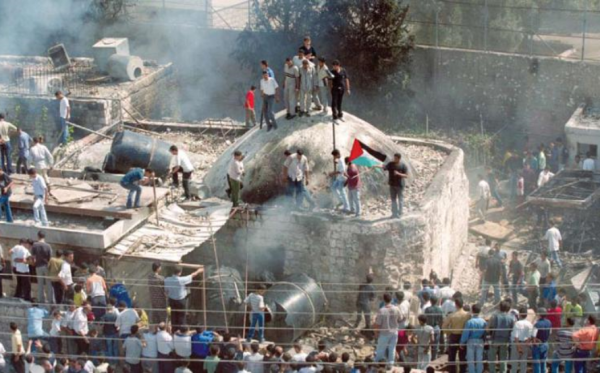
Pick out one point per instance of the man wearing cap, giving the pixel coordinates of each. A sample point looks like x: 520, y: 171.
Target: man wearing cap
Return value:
x: 308, y: 85
x: 270, y: 93
x: 291, y: 87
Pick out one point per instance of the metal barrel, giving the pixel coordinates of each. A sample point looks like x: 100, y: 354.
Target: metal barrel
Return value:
x: 233, y: 292
x: 130, y: 149
x: 296, y: 303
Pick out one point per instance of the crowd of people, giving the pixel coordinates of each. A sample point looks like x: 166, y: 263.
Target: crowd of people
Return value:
x: 94, y: 328
x: 345, y: 181
x: 527, y: 171
x: 307, y: 81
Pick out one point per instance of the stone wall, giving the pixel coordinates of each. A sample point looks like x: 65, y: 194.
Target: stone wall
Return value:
x: 341, y: 251
x: 532, y: 95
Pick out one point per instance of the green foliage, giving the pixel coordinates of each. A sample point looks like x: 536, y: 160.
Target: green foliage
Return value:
x: 291, y: 16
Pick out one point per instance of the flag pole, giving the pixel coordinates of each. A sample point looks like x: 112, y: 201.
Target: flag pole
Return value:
x: 334, y: 147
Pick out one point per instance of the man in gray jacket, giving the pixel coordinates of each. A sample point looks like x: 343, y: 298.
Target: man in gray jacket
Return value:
x: 291, y: 86
x: 323, y: 74
x: 308, y: 84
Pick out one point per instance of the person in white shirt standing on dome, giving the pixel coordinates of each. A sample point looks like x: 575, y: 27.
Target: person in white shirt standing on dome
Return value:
x: 180, y: 162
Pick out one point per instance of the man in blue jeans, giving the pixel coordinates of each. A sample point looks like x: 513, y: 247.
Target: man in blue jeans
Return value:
x: 132, y: 181
x: 398, y: 172
x: 339, y: 180
x: 6, y: 190
x: 256, y: 302
x: 472, y: 336
x: 539, y: 348
x: 387, y: 323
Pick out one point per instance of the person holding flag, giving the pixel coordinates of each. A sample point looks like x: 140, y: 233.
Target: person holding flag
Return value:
x: 363, y: 155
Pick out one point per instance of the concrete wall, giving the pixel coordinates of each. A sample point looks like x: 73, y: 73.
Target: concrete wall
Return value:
x: 535, y: 96
x: 14, y: 310
x: 341, y: 251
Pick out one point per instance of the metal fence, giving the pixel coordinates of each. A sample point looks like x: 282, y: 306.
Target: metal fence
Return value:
x: 45, y: 80
x: 221, y: 14
x: 566, y: 29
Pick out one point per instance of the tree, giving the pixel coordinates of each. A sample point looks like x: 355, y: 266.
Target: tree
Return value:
x: 290, y: 16
x: 370, y: 36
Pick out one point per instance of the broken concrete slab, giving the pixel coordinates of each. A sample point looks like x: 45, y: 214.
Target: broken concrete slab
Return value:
x: 62, y: 195
x: 492, y: 231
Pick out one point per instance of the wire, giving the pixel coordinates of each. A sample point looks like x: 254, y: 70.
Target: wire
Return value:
x: 145, y: 282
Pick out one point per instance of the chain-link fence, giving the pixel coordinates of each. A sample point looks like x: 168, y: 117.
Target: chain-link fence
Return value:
x: 559, y: 28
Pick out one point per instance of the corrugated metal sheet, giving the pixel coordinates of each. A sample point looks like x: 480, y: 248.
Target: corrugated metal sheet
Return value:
x: 179, y: 233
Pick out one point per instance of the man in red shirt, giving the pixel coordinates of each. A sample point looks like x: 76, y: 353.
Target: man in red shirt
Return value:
x: 554, y: 315
x: 353, y: 187
x: 249, y: 106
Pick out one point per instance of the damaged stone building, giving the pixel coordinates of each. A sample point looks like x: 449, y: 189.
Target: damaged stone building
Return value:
x: 264, y: 240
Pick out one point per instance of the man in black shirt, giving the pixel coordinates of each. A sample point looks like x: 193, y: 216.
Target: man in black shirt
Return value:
x: 366, y: 295
x: 42, y: 252
x: 398, y: 172
x: 340, y: 83
x: 492, y: 275
x: 6, y: 188
x: 308, y: 49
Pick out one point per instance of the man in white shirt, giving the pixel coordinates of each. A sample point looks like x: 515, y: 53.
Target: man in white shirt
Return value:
x: 6, y: 129
x: 270, y: 93
x: 64, y: 115
x: 65, y: 277
x: 588, y: 163
x: 180, y: 163
x: 483, y: 191
x: 291, y: 87
x: 544, y: 177
x: 339, y: 179
x: 80, y: 327
x: 126, y: 319
x: 150, y: 351
x: 234, y: 176
x: 554, y: 243
x: 521, y: 335
x: 20, y: 258
x: 164, y: 345
x: 182, y: 343
x: 256, y: 302
x: 298, y: 175
x: 40, y: 158
x: 40, y: 197
x: 254, y: 361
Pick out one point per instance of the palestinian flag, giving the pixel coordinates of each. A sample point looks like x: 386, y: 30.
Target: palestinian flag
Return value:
x: 363, y: 155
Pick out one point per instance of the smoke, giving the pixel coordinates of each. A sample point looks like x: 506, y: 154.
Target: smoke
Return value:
x: 30, y: 27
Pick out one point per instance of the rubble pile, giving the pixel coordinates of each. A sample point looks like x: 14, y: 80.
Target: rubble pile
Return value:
x: 339, y: 337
